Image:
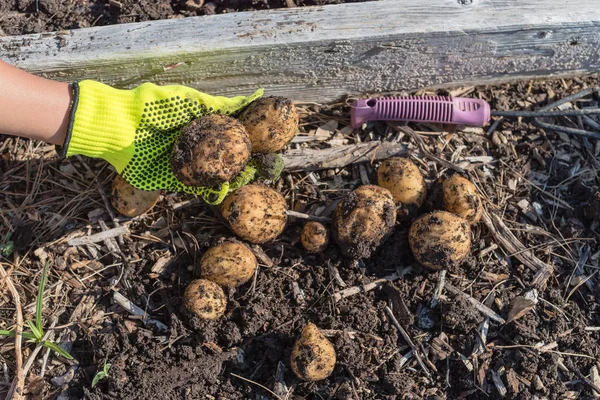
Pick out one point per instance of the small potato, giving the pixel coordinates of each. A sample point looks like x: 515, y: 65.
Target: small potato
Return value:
x: 315, y: 237
x: 229, y: 264
x: 210, y: 150
x: 206, y: 299
x: 440, y: 239
x: 459, y: 196
x: 313, y: 356
x: 406, y: 183
x: 363, y: 220
x: 271, y: 122
x: 130, y: 201
x: 255, y: 213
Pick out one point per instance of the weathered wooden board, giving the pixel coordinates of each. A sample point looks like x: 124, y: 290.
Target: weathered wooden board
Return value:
x: 322, y: 53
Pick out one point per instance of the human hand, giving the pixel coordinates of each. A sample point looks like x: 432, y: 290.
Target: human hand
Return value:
x: 135, y: 130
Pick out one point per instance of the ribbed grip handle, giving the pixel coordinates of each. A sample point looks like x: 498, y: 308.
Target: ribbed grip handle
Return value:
x: 440, y: 109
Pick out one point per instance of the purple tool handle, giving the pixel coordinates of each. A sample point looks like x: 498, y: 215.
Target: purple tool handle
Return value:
x: 447, y: 110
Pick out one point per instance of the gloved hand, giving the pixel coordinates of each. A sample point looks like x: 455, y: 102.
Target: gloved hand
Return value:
x: 135, y: 130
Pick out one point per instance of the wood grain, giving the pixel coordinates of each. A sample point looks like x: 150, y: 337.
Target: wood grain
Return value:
x: 323, y: 53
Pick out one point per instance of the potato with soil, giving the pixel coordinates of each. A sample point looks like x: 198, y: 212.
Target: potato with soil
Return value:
x: 205, y: 298
x: 440, y: 239
x: 406, y: 183
x: 313, y: 356
x: 458, y: 195
x: 229, y: 264
x: 271, y: 122
x: 255, y: 213
x: 315, y: 237
x: 210, y: 150
x: 129, y: 201
x: 363, y: 220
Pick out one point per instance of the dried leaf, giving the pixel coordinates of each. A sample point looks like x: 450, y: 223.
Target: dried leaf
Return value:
x: 521, y: 305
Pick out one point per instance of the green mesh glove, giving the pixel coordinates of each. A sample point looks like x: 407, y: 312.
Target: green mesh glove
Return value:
x: 135, y: 130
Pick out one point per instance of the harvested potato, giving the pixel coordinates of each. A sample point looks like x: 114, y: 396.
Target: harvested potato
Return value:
x: 458, y: 195
x: 255, y: 213
x: 210, y: 150
x: 130, y: 201
x: 315, y: 237
x: 313, y: 356
x: 440, y: 239
x: 271, y: 122
x: 206, y: 299
x: 363, y: 220
x: 406, y: 183
x: 230, y: 264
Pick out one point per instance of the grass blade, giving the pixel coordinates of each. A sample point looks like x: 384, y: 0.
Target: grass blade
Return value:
x: 53, y: 346
x: 7, y: 333
x: 38, y: 335
x: 40, y: 299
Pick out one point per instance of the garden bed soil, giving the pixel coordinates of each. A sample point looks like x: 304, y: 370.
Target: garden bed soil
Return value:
x: 239, y: 355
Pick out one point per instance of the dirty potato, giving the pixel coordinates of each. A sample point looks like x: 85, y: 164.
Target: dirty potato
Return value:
x: 130, y: 201
x: 313, y: 356
x: 315, y: 237
x: 458, y: 195
x: 230, y: 264
x: 406, y: 183
x: 271, y: 122
x: 210, y: 150
x: 206, y: 299
x: 440, y: 239
x: 363, y: 220
x: 255, y: 213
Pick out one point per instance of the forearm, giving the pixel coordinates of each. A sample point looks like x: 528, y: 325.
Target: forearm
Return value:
x: 33, y: 107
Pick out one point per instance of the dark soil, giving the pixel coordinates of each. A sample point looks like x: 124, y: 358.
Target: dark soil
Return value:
x: 33, y: 16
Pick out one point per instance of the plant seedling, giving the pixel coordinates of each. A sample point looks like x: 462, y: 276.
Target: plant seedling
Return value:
x: 100, y: 375
x: 37, y: 330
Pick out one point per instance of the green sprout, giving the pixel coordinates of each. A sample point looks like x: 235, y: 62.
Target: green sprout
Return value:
x: 100, y: 375
x: 7, y: 247
x: 37, y: 330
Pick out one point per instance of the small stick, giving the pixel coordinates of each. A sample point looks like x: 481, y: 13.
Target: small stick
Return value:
x: 335, y: 274
x: 135, y: 310
x: 99, y: 237
x: 477, y: 304
x: 257, y: 384
x: 408, y: 340
x: 300, y: 215
x: 16, y: 389
x: 438, y: 288
x: 351, y: 291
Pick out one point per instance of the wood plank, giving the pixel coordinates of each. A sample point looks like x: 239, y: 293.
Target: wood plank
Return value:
x: 322, y: 53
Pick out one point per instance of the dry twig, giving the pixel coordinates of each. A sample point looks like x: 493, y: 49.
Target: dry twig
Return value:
x: 351, y: 291
x: 482, y: 308
x: 16, y: 389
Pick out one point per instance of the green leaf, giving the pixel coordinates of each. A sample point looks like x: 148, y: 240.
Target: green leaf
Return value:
x: 7, y: 248
x: 25, y: 335
x: 40, y: 299
x: 58, y: 349
x: 101, y: 375
x: 38, y: 335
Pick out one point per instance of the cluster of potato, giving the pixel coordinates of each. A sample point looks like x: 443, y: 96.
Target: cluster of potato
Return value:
x: 257, y: 214
x: 366, y: 217
x: 215, y: 148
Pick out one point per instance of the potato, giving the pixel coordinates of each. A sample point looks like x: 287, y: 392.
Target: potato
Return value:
x: 255, y: 213
x: 130, y: 201
x: 206, y: 299
x: 406, y: 183
x: 315, y: 237
x: 458, y: 195
x: 440, y: 239
x: 313, y: 356
x: 271, y: 122
x: 228, y: 264
x: 363, y: 220
x: 210, y: 150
